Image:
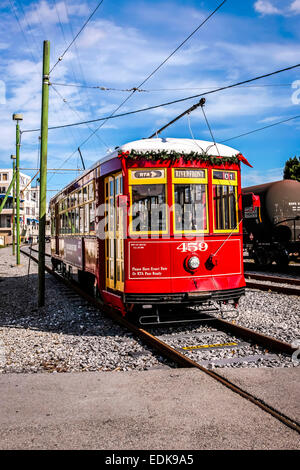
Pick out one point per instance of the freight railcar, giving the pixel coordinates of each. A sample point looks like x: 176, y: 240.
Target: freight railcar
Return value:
x: 272, y: 232
x: 154, y: 226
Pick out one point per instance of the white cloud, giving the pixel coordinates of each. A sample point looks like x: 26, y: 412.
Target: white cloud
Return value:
x: 251, y: 177
x: 59, y: 12
x: 271, y: 119
x: 44, y: 12
x: 295, y: 6
x: 268, y: 7
x: 265, y: 7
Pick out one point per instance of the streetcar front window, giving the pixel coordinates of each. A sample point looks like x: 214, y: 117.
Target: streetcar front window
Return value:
x: 148, y: 208
x: 225, y: 207
x: 190, y: 207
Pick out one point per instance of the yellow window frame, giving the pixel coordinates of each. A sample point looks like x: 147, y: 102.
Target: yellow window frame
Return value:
x: 221, y: 182
x: 114, y: 233
x: 181, y: 180
x: 146, y: 181
x: 225, y: 182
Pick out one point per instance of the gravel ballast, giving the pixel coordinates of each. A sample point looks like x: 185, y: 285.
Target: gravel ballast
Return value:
x: 70, y: 335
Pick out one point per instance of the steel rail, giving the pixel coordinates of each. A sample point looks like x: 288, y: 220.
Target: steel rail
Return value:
x: 273, y: 287
x: 175, y: 355
x: 272, y: 278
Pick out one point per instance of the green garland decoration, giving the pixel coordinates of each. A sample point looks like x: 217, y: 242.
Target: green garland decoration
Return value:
x: 173, y: 156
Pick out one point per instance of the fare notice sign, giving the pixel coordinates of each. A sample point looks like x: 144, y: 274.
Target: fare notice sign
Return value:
x: 146, y: 262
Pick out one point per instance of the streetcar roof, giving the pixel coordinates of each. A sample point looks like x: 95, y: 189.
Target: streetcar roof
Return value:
x: 168, y: 144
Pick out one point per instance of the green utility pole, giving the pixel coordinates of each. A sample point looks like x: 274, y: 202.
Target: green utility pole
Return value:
x: 43, y: 172
x: 18, y: 117
x: 13, y: 157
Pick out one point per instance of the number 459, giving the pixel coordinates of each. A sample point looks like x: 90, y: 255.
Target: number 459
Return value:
x: 192, y: 246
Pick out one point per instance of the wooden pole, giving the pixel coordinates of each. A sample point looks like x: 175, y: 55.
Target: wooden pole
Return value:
x: 43, y: 172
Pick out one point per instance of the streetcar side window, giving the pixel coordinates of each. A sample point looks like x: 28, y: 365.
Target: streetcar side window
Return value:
x: 79, y: 197
x: 77, y: 220
x: 148, y: 211
x: 92, y: 216
x: 91, y: 192
x: 77, y: 211
x: 86, y: 219
x: 190, y: 209
x: 225, y: 204
x: 85, y: 194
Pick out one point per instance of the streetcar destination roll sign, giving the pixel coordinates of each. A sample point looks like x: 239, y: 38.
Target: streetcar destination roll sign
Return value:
x: 224, y: 175
x: 189, y: 173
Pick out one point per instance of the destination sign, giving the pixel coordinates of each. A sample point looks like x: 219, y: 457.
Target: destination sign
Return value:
x: 224, y: 175
x: 144, y: 174
x: 184, y: 173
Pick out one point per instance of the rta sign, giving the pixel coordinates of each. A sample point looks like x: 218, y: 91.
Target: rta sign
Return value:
x: 2, y: 92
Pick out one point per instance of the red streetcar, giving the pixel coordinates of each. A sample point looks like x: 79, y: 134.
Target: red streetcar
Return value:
x: 155, y: 226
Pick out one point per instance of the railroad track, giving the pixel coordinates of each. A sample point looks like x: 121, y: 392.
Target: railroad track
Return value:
x: 270, y: 282
x: 178, y: 348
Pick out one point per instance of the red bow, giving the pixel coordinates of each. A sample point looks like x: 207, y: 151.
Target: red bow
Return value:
x: 122, y: 156
x: 243, y: 159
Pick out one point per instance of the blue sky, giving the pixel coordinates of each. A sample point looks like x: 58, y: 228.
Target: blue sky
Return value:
x: 125, y: 41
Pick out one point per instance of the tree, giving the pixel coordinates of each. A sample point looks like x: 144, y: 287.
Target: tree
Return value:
x: 292, y: 169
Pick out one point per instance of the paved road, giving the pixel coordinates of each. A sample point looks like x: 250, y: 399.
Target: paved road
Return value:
x: 158, y: 409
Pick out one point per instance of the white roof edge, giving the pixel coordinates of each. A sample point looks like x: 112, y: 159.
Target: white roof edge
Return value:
x: 170, y: 143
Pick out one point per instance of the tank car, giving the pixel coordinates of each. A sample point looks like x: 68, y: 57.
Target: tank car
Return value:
x: 155, y: 226
x: 272, y: 232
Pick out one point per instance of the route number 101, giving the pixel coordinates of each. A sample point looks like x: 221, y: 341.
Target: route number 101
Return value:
x: 192, y: 246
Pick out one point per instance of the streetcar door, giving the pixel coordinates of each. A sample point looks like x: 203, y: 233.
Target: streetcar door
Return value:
x: 114, y: 241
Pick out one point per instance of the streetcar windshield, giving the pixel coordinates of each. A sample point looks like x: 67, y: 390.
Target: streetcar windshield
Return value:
x: 148, y: 208
x: 225, y: 207
x: 190, y: 207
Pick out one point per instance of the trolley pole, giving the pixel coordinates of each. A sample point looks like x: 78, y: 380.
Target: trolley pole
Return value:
x: 18, y: 117
x: 13, y: 157
x: 43, y: 172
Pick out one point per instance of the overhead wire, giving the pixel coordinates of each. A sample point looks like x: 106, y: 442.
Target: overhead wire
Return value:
x: 23, y: 32
x: 261, y: 128
x: 99, y: 87
x: 76, y: 36
x: 72, y: 68
x: 135, y: 88
x: 153, y: 72
x: 78, y: 61
x: 227, y: 87
x: 19, y: 2
x: 75, y: 112
x: 73, y: 71
x: 103, y: 88
x: 171, y: 102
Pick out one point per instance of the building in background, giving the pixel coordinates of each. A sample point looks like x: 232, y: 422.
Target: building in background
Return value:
x: 29, y: 209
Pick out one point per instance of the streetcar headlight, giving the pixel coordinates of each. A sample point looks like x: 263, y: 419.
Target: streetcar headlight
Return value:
x: 193, y: 262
